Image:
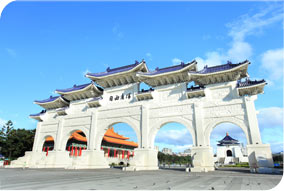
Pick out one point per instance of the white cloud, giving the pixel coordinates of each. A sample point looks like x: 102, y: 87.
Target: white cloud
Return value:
x: 176, y: 61
x: 85, y: 72
x: 2, y: 122
x: 212, y: 59
x: 239, y: 49
x: 269, y: 117
x: 174, y: 137
x: 272, y: 62
x: 270, y: 122
x: 11, y: 52
x: 149, y: 56
x: 250, y: 25
x: 116, y: 31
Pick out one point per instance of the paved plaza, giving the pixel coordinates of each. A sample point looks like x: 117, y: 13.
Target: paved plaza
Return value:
x: 116, y: 179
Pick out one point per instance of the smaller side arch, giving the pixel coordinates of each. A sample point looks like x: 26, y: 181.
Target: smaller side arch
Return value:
x: 160, y: 123
x: 42, y: 141
x: 215, y: 123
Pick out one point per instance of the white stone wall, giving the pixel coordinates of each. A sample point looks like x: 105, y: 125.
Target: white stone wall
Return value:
x: 169, y: 104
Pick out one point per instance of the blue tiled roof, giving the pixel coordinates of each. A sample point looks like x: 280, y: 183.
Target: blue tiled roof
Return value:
x: 219, y: 68
x: 228, y: 140
x: 114, y: 70
x: 248, y: 82
x: 96, y: 98
x: 76, y: 87
x: 38, y: 114
x: 50, y: 99
x: 167, y: 69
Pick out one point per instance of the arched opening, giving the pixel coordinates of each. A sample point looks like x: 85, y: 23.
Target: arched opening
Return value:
x: 229, y: 145
x: 77, y: 142
x: 229, y: 153
x: 118, y: 144
x: 173, y: 142
x: 48, y: 144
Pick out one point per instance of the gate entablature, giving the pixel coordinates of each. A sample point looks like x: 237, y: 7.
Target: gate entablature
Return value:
x: 168, y: 75
x: 78, y: 92
x: 221, y: 73
x: 118, y: 76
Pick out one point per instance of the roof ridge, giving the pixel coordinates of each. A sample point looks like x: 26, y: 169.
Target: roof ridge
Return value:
x: 182, y: 64
x: 122, y: 67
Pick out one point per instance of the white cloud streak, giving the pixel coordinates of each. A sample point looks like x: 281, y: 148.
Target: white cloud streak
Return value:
x: 246, y: 25
x: 272, y: 63
x: 176, y: 61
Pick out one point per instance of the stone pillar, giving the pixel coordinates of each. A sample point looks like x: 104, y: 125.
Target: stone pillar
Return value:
x: 58, y: 141
x: 202, y: 154
x: 259, y: 155
x: 36, y: 139
x: 202, y: 159
x: 92, y: 133
x: 144, y: 125
x: 145, y: 158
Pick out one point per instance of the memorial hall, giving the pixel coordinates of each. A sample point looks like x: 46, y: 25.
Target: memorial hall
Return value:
x: 75, y: 128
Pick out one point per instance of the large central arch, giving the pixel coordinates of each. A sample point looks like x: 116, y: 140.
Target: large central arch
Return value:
x: 103, y: 127
x: 161, y: 122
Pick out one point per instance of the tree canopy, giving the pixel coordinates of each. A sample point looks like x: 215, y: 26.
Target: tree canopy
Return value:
x: 15, y: 142
x: 173, y: 159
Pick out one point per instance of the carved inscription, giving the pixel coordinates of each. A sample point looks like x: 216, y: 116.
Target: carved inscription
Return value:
x: 78, y: 121
x: 47, y: 128
x: 171, y: 110
x: 120, y: 112
x: 221, y: 93
x: 228, y: 110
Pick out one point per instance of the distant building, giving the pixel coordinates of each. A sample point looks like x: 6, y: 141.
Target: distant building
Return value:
x: 167, y: 151
x: 230, y: 151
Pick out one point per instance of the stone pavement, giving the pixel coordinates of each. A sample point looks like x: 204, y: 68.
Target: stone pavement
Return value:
x: 116, y: 179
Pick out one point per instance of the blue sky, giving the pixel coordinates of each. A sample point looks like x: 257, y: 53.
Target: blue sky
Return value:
x: 50, y: 45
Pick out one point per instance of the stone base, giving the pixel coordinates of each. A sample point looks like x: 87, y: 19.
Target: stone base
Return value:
x: 61, y: 159
x: 144, y: 159
x: 89, y: 160
x: 202, y: 159
x: 260, y: 158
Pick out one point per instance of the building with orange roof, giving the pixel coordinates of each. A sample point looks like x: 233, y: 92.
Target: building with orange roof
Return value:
x: 113, y: 144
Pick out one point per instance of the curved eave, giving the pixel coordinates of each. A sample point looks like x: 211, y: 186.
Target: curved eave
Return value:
x: 192, y: 74
x: 57, y: 103
x: 190, y: 66
x: 253, y: 86
x: 95, y: 103
x: 144, y: 96
x: 251, y: 89
x: 195, y: 93
x: 91, y: 85
x: 36, y: 117
x: 141, y: 65
x: 87, y: 92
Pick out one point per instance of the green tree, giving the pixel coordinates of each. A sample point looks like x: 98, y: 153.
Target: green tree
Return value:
x: 15, y: 142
